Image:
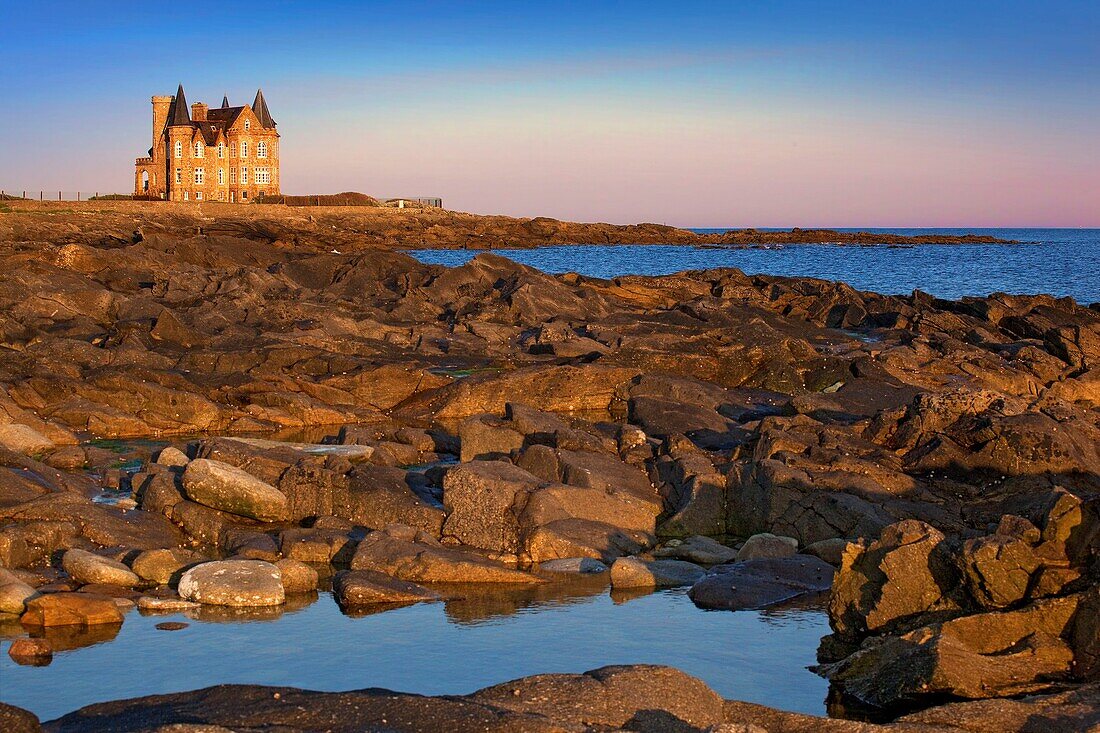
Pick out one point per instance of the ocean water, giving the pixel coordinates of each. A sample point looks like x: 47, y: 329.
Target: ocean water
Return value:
x: 1060, y: 262
x: 452, y: 648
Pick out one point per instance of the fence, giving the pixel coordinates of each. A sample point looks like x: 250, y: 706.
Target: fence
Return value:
x: 42, y: 195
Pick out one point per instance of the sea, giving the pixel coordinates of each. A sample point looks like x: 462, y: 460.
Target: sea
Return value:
x: 1058, y: 262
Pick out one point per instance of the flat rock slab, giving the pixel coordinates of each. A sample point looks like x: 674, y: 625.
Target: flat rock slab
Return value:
x: 316, y: 449
x: 634, y: 572
x: 71, y: 609
x: 230, y: 489
x: 761, y: 583
x: 366, y: 587
x: 237, y: 583
x: 407, y: 554
x: 89, y: 568
x: 698, y: 549
x: 23, y: 439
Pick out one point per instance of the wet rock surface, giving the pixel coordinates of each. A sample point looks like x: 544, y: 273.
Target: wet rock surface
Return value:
x: 740, y: 434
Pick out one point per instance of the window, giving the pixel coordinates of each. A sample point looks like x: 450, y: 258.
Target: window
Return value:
x: 244, y: 195
x: 244, y: 148
x: 221, y: 150
x: 261, y: 149
x: 221, y: 176
x: 232, y: 175
x: 244, y: 175
x: 199, y: 150
x: 221, y: 195
x: 232, y: 151
x: 179, y: 175
x: 186, y: 197
x: 248, y: 124
x: 263, y: 175
x: 232, y: 197
x: 200, y: 176
x: 179, y: 148
x: 198, y: 195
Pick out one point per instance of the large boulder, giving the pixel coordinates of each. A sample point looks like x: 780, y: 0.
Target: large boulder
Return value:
x: 355, y: 588
x: 635, y: 572
x: 71, y: 609
x: 995, y: 654
x: 238, y: 583
x: 230, y: 489
x: 483, y: 501
x: 87, y: 568
x: 162, y: 565
x: 765, y: 545
x: 14, y: 593
x: 23, y: 439
x: 906, y: 574
x: 406, y: 553
x: 762, y: 582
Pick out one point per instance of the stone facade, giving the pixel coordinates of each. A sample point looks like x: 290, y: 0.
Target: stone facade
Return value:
x: 228, y: 154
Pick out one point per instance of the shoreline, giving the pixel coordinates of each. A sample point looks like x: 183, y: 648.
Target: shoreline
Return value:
x: 420, y: 228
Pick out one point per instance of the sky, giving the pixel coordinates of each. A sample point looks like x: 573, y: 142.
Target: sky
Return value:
x: 747, y: 113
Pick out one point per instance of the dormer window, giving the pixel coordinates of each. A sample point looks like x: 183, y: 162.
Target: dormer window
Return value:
x: 261, y: 149
x: 179, y: 148
x: 199, y: 150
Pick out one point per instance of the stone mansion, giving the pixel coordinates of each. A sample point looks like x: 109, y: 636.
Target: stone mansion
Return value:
x: 226, y: 154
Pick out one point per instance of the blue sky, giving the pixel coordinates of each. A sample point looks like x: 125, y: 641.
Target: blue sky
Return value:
x: 738, y: 113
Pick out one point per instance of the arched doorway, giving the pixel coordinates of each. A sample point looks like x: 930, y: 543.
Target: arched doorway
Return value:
x: 145, y: 181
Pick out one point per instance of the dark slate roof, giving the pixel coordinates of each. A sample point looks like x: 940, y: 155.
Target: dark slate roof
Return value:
x: 259, y: 106
x: 225, y: 101
x: 209, y: 131
x: 178, y: 114
x: 226, y: 115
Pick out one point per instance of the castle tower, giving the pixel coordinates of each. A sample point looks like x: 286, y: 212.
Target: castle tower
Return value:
x: 180, y: 131
x: 161, y: 105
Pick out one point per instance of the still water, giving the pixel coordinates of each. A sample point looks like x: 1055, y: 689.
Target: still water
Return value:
x: 1061, y: 262
x: 451, y: 648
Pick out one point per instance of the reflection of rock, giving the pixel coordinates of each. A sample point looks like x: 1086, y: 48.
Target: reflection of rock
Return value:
x: 67, y: 638
x: 761, y: 583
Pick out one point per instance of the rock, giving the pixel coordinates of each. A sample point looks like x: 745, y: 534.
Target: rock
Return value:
x: 229, y: 489
x: 172, y: 457
x: 996, y: 654
x: 17, y: 720
x: 998, y: 569
x: 87, y: 568
x: 236, y: 583
x: 32, y: 652
x: 483, y: 501
x: 486, y: 438
x: 633, y: 572
x: 23, y: 439
x: 767, y: 545
x: 297, y: 577
x: 172, y: 625
x: 154, y: 603
x: 161, y: 566
x: 71, y: 609
x: 906, y: 574
x: 831, y: 550
x: 14, y: 593
x: 763, y: 582
x: 409, y: 554
x: 697, y: 549
x: 354, y: 588
x: 584, y: 565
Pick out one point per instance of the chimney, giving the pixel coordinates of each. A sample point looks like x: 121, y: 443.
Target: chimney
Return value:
x: 198, y: 111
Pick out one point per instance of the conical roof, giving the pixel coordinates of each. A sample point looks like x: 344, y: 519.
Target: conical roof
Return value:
x: 179, y: 114
x: 225, y: 101
x: 259, y: 106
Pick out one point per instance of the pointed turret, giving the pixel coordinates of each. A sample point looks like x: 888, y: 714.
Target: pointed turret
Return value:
x: 259, y: 106
x: 179, y: 114
x: 225, y: 101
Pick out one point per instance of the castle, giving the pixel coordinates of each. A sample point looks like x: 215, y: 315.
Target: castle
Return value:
x: 225, y: 154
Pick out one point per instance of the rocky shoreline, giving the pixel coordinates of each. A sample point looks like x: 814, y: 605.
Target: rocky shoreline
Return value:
x: 355, y: 228
x: 930, y: 467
